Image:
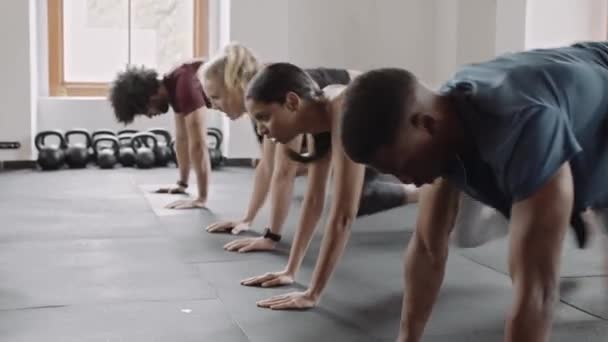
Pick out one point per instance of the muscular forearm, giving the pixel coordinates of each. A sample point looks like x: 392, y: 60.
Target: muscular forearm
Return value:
x: 281, y: 192
x: 334, y: 242
x: 311, y: 212
x: 183, y: 158
x: 200, y: 162
x: 423, y: 277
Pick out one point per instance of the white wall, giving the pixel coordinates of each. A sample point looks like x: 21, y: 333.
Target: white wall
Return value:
x: 430, y: 37
x: 356, y: 34
x: 559, y: 22
x: 17, y: 67
x: 510, y: 25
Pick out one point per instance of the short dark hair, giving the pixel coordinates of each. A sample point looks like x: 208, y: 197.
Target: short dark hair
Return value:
x: 272, y: 84
x: 373, y: 109
x: 131, y: 91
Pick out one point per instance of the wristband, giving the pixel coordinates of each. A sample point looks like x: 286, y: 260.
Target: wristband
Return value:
x: 271, y: 236
x: 182, y: 184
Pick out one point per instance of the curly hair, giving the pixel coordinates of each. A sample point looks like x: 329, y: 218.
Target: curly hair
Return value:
x: 131, y: 92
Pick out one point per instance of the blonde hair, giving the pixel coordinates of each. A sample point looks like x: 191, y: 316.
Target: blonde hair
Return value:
x: 235, y: 66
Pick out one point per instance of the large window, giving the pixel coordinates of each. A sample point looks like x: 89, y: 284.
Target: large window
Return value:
x: 91, y: 40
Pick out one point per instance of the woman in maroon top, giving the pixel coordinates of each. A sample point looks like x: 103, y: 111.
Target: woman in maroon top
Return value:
x: 140, y: 91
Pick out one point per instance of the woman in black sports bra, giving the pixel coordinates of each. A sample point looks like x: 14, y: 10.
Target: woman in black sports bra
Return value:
x: 286, y: 102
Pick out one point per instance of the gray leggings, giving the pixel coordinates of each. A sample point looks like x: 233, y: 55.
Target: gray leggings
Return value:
x: 380, y: 192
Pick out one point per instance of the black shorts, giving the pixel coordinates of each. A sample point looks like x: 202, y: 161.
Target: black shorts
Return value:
x: 380, y: 192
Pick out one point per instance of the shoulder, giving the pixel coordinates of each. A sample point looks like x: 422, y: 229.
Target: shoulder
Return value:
x: 335, y: 95
x: 191, y: 66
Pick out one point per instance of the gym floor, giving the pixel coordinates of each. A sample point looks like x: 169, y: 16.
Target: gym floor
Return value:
x: 91, y: 255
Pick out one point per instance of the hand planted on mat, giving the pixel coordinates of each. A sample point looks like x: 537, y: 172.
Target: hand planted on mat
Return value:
x: 250, y: 245
x: 187, y: 204
x: 272, y: 279
x: 176, y: 189
x: 290, y: 301
x: 234, y: 227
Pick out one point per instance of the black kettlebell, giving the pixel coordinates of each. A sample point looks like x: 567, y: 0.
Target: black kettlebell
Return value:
x: 127, y: 131
x: 98, y: 133
x: 126, y: 155
x: 50, y: 157
x: 144, y: 155
x: 214, y: 144
x: 162, y: 151
x: 77, y: 154
x: 107, y: 156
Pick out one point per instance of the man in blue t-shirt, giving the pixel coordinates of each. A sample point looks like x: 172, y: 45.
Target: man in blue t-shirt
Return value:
x: 524, y: 133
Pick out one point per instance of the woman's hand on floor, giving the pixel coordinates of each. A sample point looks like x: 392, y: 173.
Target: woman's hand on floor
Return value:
x: 272, y: 279
x: 234, y: 227
x: 198, y: 203
x: 250, y: 245
x: 290, y: 301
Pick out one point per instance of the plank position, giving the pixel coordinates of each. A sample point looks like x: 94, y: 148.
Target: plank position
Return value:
x: 524, y: 133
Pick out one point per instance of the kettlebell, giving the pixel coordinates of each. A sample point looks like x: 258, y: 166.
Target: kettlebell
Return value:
x: 127, y: 131
x: 214, y: 146
x: 126, y: 155
x: 162, y: 151
x: 144, y: 155
x: 97, y: 133
x: 107, y: 156
x: 77, y: 154
x: 50, y: 157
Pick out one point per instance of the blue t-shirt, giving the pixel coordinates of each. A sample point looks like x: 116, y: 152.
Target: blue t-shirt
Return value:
x: 526, y: 114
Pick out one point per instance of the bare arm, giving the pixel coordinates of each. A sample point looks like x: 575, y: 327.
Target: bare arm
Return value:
x: 181, y: 148
x: 282, y: 184
x: 348, y: 181
x: 309, y: 217
x: 196, y: 128
x: 538, y: 225
x: 274, y: 174
x: 267, y: 178
x: 426, y: 257
x: 261, y: 181
x: 312, y: 208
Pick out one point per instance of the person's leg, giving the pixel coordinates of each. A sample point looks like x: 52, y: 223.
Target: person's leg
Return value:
x: 477, y: 224
x: 379, y: 194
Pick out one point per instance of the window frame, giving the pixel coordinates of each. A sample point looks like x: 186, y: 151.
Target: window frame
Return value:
x: 58, y: 86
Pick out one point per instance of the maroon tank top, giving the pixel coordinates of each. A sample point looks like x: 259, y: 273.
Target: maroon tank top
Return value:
x: 185, y: 90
